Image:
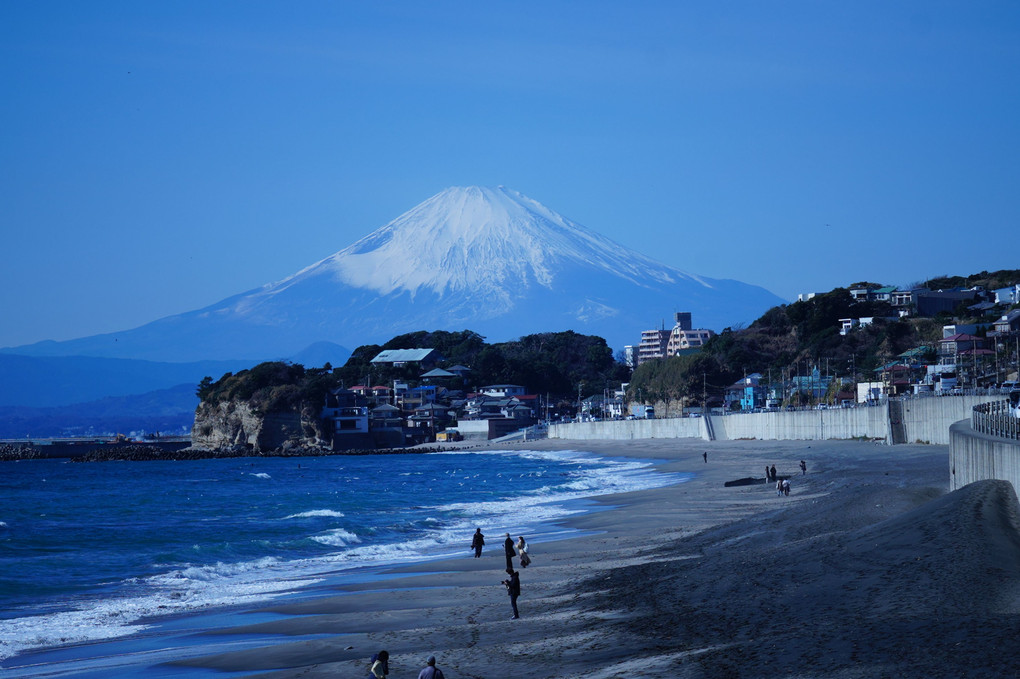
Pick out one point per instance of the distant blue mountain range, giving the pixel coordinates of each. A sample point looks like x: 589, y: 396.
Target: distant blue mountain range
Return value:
x: 167, y: 411
x: 43, y: 381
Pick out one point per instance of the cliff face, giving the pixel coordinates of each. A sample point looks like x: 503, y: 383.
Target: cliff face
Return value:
x: 235, y: 423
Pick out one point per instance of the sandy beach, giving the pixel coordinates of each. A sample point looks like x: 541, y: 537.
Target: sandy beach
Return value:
x: 870, y: 568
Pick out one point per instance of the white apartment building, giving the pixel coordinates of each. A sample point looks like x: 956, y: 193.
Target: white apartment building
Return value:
x: 662, y: 343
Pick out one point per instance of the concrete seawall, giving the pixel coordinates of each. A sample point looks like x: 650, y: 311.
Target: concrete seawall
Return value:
x: 920, y: 420
x: 974, y: 456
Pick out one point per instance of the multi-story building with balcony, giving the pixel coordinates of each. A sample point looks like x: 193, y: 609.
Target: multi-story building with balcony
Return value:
x: 681, y: 338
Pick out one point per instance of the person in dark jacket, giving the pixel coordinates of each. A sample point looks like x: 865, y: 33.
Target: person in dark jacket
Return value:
x: 477, y: 542
x: 513, y: 588
x: 508, y: 547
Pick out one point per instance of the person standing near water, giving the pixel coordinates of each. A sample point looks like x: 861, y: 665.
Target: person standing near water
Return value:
x: 522, y: 550
x: 477, y: 542
x: 508, y: 548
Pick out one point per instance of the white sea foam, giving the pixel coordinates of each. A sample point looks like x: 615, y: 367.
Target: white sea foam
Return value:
x: 447, y: 532
x: 261, y: 475
x: 316, y: 513
x: 178, y: 591
x: 337, y: 538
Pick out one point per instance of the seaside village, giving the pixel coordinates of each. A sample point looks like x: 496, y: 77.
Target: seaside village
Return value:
x: 439, y: 407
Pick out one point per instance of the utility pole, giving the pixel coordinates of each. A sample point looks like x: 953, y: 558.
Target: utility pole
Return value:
x: 853, y: 364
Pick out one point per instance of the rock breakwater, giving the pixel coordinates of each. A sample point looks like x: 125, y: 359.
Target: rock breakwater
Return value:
x: 140, y: 453
x: 19, y: 451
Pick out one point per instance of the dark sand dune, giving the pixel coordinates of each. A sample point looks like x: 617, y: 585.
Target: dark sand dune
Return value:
x: 932, y: 592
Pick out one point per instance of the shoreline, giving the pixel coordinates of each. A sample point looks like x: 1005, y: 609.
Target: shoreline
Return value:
x: 162, y: 629
x: 860, y: 572
x: 869, y: 568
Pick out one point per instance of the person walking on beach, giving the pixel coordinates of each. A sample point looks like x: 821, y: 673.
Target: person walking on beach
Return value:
x: 773, y: 473
x: 508, y: 548
x: 522, y: 550
x: 430, y: 671
x: 477, y: 542
x: 786, y: 487
x: 779, y: 487
x: 768, y: 476
x: 705, y: 455
x: 380, y: 666
x: 513, y: 588
x: 803, y: 467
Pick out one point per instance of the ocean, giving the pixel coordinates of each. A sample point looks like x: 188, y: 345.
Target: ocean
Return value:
x: 110, y: 568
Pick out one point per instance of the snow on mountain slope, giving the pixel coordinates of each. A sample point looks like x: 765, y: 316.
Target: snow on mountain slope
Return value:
x: 479, y: 240
x: 489, y: 260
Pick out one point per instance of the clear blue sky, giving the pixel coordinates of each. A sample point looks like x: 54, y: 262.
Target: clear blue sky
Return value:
x: 158, y: 157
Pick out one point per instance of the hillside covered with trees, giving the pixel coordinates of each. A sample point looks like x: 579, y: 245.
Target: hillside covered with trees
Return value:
x: 545, y: 363
x: 787, y: 340
x: 795, y: 338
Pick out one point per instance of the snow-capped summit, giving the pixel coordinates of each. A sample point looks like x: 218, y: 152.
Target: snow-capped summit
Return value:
x: 479, y: 239
x: 485, y: 259
x: 492, y: 244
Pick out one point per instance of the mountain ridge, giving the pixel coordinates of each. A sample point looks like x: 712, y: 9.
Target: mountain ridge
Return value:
x: 491, y: 259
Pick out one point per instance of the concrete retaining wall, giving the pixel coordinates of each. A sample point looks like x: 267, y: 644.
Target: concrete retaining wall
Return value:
x: 670, y: 428
x: 927, y: 420
x: 974, y: 457
x: 924, y: 420
x: 473, y: 429
x: 805, y: 425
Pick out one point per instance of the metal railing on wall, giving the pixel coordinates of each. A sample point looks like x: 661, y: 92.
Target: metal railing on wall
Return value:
x: 996, y: 418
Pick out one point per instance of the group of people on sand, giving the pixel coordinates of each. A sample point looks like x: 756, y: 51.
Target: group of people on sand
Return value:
x: 782, y: 484
x: 783, y: 487
x: 379, y: 667
x: 510, y: 550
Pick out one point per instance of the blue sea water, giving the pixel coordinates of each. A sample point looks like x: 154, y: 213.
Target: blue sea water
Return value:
x: 95, y: 552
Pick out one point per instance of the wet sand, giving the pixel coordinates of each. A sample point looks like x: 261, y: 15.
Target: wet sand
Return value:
x: 868, y: 569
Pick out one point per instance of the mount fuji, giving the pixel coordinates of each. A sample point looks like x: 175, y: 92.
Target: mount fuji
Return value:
x: 486, y: 259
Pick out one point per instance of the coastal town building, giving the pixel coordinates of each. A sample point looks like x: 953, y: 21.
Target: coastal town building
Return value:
x: 683, y: 337
x: 746, y: 394
x: 653, y: 345
x: 1007, y: 296
x: 1009, y: 323
x: 503, y: 390
x: 848, y: 324
x: 426, y: 359
x: 680, y: 339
